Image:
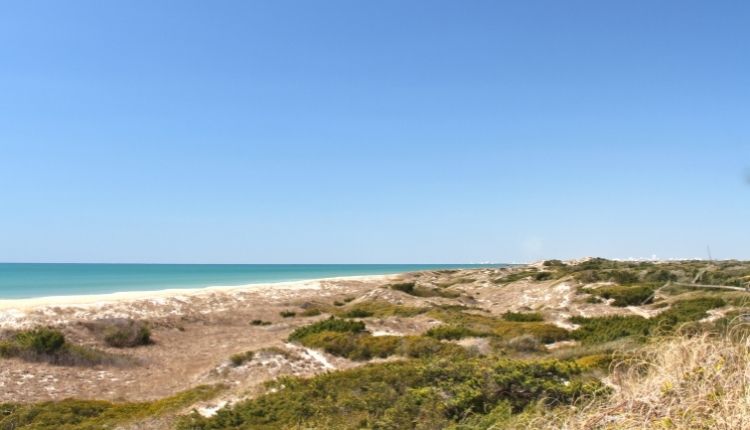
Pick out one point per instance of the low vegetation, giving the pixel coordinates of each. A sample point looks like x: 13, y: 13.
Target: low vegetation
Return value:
x: 484, y: 325
x: 428, y: 393
x: 121, y: 332
x: 96, y: 415
x: 635, y: 295
x: 311, y: 312
x: 348, y: 338
x: 331, y: 324
x: 609, y: 328
x: 413, y: 289
x: 364, y: 346
x: 453, y: 332
x: 380, y: 309
x: 241, y: 358
x: 45, y: 344
x: 358, y: 313
x: 523, y: 316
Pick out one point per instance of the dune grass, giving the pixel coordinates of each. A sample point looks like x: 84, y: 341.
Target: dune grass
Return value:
x: 682, y: 382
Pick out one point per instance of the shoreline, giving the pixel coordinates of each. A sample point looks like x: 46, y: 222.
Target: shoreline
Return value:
x: 81, y: 300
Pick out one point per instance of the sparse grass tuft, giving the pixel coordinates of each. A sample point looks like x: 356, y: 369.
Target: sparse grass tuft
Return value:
x: 312, y: 312
x: 358, y: 313
x: 523, y: 316
x: 241, y: 358
x: 121, y: 332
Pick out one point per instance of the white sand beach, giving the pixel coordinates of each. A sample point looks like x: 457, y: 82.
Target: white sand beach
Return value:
x: 93, y: 300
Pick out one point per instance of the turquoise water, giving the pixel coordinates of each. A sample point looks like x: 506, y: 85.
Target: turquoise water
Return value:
x: 27, y: 280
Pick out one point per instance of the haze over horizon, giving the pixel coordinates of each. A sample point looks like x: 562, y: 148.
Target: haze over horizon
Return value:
x: 384, y: 132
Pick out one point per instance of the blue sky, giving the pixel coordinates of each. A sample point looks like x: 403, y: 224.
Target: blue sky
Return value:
x: 380, y: 131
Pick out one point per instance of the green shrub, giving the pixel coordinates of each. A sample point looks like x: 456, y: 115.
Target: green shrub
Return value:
x: 347, y: 338
x: 429, y: 393
x: 381, y: 309
x: 404, y: 287
x: 128, y: 335
x: 40, y: 340
x: 623, y: 277
x: 241, y: 358
x: 609, y: 328
x: 587, y: 276
x: 425, y: 347
x: 688, y: 311
x: 523, y: 316
x: 456, y: 281
x: 121, y: 332
x: 358, y: 313
x: 260, y: 322
x: 595, y: 361
x: 546, y: 333
x: 543, y: 276
x: 659, y: 276
x: 452, y: 332
x: 359, y: 347
x: 96, y: 415
x: 312, y: 312
x: 553, y: 263
x: 624, y: 295
x: 506, y: 330
x: 516, y: 276
x: 525, y: 343
x: 412, y: 289
x: 49, y: 345
x: 331, y: 324
x: 288, y: 314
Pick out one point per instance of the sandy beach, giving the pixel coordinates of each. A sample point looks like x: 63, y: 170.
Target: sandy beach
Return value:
x: 195, y: 331
x: 13, y: 310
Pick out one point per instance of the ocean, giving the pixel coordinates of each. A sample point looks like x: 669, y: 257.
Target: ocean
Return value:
x: 32, y: 280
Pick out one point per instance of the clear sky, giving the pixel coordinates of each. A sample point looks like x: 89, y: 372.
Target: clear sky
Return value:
x: 373, y: 131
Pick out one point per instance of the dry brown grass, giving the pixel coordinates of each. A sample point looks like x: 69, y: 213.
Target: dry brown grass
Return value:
x: 685, y: 382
